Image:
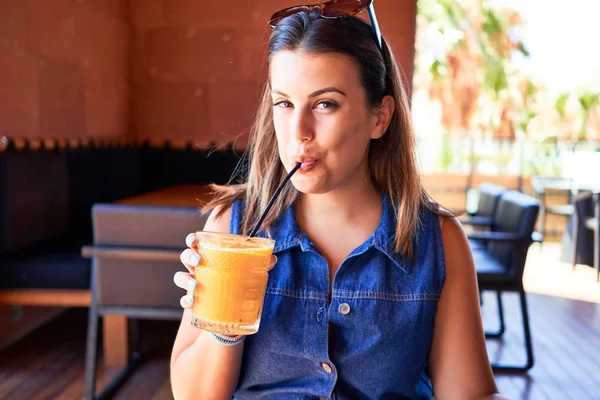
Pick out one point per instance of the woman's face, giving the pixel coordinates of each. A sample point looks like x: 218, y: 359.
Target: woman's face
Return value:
x: 322, y: 119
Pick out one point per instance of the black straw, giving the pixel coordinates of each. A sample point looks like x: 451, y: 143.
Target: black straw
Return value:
x: 273, y: 198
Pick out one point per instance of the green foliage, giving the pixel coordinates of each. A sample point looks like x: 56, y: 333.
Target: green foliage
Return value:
x: 588, y: 104
x: 450, y: 23
x: 542, y: 159
x: 438, y: 70
x: 560, y: 105
x: 447, y: 155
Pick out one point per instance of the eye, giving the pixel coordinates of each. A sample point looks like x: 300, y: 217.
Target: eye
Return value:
x: 282, y: 104
x: 327, y: 105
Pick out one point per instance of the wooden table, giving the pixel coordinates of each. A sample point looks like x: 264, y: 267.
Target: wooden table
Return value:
x: 173, y: 196
x: 115, y: 327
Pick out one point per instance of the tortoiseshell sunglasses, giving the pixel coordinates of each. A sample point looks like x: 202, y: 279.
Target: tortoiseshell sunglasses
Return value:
x: 335, y: 9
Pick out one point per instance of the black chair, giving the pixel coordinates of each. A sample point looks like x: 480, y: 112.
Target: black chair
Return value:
x: 593, y: 224
x: 500, y: 262
x: 489, y: 195
x: 578, y: 239
x: 483, y: 218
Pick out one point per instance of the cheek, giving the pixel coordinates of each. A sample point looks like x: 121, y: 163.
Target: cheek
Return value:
x: 280, y: 130
x: 353, y: 150
x: 352, y: 139
x: 280, y: 137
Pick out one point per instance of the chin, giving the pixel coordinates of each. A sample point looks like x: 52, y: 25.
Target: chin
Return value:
x: 305, y: 187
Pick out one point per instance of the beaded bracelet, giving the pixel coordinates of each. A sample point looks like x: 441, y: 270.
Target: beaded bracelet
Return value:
x: 228, y: 340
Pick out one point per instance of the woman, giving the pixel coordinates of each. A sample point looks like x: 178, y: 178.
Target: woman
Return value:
x: 374, y: 292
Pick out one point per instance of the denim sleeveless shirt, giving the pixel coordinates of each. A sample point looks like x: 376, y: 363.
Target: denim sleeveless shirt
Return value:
x: 370, y: 341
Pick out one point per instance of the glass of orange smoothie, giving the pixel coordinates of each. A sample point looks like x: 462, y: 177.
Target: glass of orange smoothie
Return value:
x: 230, y: 282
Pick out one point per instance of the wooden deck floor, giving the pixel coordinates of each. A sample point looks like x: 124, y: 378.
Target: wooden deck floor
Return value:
x: 566, y: 341
x: 48, y: 364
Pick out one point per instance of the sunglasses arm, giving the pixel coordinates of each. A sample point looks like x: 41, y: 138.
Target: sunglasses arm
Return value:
x: 375, y: 25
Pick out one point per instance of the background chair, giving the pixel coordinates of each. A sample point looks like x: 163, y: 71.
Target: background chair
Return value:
x: 483, y: 217
x: 489, y: 195
x: 578, y: 240
x: 134, y: 257
x: 593, y: 224
x: 558, y: 186
x: 500, y: 262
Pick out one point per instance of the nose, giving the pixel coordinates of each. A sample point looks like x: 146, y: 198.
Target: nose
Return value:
x: 302, y: 126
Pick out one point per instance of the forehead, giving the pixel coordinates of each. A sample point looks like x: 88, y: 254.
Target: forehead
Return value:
x: 308, y: 72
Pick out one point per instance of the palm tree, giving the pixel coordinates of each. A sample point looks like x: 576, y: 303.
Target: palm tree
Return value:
x: 474, y: 61
x: 588, y: 105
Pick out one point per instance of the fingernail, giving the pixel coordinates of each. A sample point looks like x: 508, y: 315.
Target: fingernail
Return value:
x: 191, y: 284
x: 190, y: 239
x: 189, y: 299
x: 276, y: 259
x: 194, y: 259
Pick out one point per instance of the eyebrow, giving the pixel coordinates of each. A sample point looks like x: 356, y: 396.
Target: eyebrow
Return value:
x: 316, y: 93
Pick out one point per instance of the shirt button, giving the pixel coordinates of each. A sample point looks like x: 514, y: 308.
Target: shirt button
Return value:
x: 344, y: 308
x: 326, y: 367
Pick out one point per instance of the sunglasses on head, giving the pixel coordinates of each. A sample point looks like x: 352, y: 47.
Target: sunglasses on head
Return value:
x: 334, y: 9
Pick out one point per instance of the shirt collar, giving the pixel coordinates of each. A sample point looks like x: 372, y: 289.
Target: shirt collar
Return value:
x: 288, y: 235
x: 384, y: 237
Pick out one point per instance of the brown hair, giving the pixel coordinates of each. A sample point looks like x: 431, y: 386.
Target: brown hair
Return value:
x: 392, y: 159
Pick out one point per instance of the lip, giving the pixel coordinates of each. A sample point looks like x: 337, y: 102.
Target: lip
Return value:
x: 307, y: 163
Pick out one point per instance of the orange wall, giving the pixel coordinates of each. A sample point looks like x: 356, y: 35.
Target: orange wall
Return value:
x: 198, y: 67
x: 64, y: 68
x: 180, y: 70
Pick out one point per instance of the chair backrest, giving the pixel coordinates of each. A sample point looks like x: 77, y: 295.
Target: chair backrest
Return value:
x: 489, y: 195
x: 140, y: 242
x: 584, y: 204
x: 584, y: 237
x: 516, y: 213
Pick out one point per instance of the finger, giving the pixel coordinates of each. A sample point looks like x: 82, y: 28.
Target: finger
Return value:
x: 190, y: 240
x: 273, y: 262
x: 185, y: 281
x: 187, y: 301
x: 190, y: 259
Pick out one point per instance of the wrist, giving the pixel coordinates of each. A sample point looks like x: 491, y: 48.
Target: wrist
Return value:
x: 227, y: 340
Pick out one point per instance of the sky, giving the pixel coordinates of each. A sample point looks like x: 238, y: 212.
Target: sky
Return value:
x: 564, y: 40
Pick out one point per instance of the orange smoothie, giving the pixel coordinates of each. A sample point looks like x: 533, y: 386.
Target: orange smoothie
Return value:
x: 231, y: 281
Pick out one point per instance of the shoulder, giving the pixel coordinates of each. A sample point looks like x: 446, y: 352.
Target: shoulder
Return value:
x: 223, y: 206
x: 459, y: 261
x: 219, y: 219
x: 452, y: 232
x: 451, y: 228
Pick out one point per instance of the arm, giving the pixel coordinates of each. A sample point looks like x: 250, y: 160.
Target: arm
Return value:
x: 202, y: 368
x: 458, y: 360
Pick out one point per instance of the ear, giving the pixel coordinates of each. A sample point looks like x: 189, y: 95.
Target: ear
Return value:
x: 383, y: 117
